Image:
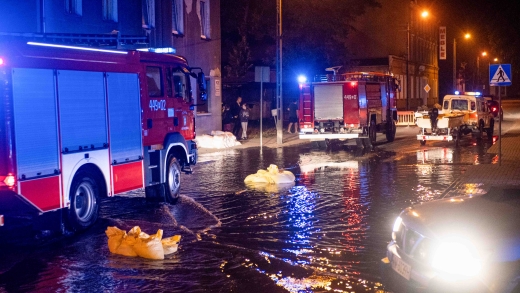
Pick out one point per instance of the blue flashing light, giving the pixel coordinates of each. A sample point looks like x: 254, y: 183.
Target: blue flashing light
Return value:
x: 75, y: 48
x: 302, y: 79
x: 166, y: 50
x: 457, y: 92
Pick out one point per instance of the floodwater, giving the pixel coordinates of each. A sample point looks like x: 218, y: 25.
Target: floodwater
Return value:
x: 328, y: 231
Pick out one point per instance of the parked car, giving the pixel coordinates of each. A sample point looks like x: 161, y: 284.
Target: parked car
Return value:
x: 459, y: 244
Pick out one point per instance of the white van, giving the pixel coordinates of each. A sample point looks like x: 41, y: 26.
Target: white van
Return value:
x: 477, y: 117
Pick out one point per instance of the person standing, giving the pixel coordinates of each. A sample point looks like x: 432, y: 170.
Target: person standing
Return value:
x: 244, y: 119
x: 293, y: 116
x: 227, y: 118
x: 235, y: 111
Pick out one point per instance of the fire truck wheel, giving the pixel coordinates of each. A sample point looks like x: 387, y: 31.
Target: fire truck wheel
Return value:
x: 372, y: 133
x: 84, y: 196
x: 390, y: 132
x: 490, y: 129
x: 173, y: 180
x: 423, y: 142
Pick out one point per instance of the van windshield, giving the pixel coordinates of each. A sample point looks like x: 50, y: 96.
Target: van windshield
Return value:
x: 459, y: 105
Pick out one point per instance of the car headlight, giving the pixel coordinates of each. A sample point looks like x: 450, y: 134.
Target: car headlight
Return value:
x: 457, y: 258
x: 396, y: 228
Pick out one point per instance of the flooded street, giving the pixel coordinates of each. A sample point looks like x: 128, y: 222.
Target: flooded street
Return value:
x: 328, y: 231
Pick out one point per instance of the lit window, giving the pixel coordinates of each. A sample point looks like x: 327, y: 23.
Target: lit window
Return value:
x: 74, y: 7
x: 178, y: 17
x: 204, y: 20
x: 148, y: 14
x: 110, y: 10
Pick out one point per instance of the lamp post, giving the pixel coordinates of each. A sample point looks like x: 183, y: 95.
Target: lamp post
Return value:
x: 424, y: 14
x: 484, y: 54
x: 466, y: 36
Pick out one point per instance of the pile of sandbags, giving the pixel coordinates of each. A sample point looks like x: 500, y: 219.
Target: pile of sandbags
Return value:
x: 271, y: 176
x: 138, y: 243
x: 217, y: 140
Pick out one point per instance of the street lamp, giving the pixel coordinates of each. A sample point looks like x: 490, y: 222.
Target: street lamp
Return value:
x: 466, y: 36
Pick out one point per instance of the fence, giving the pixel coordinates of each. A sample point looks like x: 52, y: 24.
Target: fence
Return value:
x: 405, y: 118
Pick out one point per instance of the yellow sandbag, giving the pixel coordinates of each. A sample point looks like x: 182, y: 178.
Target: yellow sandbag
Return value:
x: 115, y: 236
x: 272, y: 176
x: 170, y: 244
x: 150, y: 246
x: 127, y: 246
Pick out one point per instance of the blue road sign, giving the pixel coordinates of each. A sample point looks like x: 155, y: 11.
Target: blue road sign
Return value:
x: 500, y: 75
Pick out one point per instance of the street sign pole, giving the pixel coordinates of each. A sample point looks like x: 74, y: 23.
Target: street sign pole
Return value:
x: 262, y: 74
x: 499, y: 126
x: 500, y: 75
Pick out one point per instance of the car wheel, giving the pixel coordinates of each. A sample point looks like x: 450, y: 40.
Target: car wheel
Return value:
x: 84, y: 196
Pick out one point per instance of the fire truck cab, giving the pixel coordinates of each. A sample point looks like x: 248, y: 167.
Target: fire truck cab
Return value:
x: 351, y: 105
x: 78, y: 124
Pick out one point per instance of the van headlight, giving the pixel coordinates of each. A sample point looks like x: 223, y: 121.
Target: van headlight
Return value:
x: 456, y: 257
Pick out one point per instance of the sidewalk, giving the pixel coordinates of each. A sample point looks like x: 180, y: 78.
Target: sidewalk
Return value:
x: 506, y: 174
x: 289, y: 139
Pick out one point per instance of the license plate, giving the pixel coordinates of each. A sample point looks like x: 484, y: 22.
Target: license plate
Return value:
x: 401, y: 267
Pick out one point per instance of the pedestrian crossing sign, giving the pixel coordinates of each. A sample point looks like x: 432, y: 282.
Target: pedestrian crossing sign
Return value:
x: 500, y: 75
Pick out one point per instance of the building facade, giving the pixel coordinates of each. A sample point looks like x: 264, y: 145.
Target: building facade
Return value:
x: 190, y: 27
x: 388, y: 38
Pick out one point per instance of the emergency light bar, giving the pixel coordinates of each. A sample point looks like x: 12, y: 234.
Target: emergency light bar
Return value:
x: 166, y: 50
x: 75, y: 48
x: 1, y: 61
x: 472, y: 93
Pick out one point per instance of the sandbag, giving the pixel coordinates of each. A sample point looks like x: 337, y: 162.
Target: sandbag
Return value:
x: 271, y: 176
x: 127, y: 246
x: 115, y: 236
x: 150, y: 246
x: 170, y: 244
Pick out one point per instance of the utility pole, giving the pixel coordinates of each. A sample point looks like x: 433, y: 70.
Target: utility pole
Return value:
x: 279, y: 98
x: 454, y: 64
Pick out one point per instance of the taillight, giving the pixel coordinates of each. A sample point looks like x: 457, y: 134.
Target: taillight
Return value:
x: 9, y: 180
x: 494, y: 109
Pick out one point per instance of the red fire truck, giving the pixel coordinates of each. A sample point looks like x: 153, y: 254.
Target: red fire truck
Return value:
x: 78, y: 124
x: 346, y: 106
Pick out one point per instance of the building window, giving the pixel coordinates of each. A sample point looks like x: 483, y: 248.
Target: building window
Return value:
x: 74, y: 7
x: 148, y: 14
x: 204, y: 20
x: 178, y: 17
x: 110, y: 10
x: 203, y: 106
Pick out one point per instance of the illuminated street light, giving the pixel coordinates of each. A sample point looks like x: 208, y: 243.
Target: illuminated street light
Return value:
x: 496, y: 59
x: 484, y: 53
x: 466, y: 36
x: 424, y: 14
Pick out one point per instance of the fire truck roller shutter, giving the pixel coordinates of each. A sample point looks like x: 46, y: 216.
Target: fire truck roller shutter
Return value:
x: 83, y: 128
x: 124, y: 116
x: 328, y: 102
x: 36, y: 136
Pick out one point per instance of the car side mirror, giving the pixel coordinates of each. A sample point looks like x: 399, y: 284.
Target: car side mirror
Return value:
x: 201, y: 81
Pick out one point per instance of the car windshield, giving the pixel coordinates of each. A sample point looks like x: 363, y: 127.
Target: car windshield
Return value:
x: 459, y: 105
